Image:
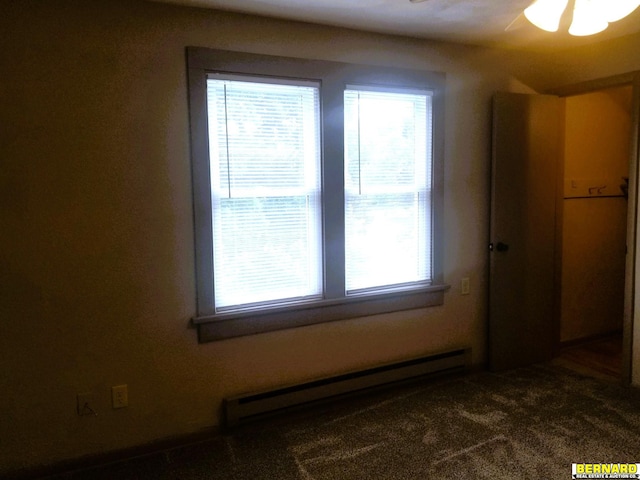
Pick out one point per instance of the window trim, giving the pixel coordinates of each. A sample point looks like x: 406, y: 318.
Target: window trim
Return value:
x: 334, y: 78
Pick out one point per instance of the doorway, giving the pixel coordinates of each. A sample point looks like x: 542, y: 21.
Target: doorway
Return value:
x: 593, y: 217
x: 527, y: 196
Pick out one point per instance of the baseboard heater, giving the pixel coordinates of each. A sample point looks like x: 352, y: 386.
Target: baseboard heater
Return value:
x: 244, y: 408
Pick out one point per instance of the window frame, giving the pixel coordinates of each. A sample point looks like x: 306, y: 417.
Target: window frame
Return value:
x: 334, y: 77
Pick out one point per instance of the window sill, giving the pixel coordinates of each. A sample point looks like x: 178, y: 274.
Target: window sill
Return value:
x: 223, y: 326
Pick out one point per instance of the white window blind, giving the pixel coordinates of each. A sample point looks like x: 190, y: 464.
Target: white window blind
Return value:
x: 265, y: 181
x: 388, y: 162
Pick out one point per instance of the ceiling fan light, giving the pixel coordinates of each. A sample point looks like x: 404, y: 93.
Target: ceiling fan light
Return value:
x: 546, y: 14
x: 588, y: 18
x: 618, y: 9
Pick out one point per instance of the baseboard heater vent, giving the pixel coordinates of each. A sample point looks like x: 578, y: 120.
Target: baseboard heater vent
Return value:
x: 243, y: 408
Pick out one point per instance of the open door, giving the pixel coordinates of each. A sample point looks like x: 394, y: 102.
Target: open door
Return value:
x: 527, y: 153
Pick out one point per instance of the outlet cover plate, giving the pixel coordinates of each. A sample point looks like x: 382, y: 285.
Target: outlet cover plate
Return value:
x: 119, y: 396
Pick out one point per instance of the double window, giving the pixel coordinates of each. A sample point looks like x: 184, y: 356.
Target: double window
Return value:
x: 317, y: 190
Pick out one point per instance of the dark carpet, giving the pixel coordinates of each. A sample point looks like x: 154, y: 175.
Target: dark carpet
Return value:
x: 529, y: 423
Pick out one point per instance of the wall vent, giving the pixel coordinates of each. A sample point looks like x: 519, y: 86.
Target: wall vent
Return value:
x: 243, y: 408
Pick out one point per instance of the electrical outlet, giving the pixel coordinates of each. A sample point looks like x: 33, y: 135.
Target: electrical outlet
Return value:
x: 464, y: 286
x: 84, y: 404
x: 119, y: 396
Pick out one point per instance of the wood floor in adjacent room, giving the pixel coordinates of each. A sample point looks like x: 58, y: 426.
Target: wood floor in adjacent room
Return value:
x: 601, y: 358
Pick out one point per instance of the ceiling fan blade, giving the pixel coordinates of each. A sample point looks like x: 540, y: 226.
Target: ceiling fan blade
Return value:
x: 518, y: 22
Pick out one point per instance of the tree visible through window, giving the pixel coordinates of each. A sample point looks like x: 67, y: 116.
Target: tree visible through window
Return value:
x: 317, y: 190
x: 387, y: 187
x: 265, y: 181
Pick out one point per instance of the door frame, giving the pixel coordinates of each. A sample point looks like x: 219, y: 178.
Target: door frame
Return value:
x: 631, y: 266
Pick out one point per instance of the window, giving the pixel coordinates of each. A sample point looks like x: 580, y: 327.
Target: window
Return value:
x: 387, y: 173
x: 317, y: 190
x: 264, y: 154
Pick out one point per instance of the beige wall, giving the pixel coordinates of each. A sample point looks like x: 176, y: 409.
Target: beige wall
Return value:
x: 96, y: 240
x: 597, y: 141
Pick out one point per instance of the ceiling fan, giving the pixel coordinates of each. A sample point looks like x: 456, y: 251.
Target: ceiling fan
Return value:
x: 582, y: 17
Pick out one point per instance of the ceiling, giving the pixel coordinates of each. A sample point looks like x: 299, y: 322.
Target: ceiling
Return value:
x: 477, y: 22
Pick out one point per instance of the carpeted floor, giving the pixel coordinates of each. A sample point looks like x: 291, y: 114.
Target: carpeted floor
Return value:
x: 530, y: 423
